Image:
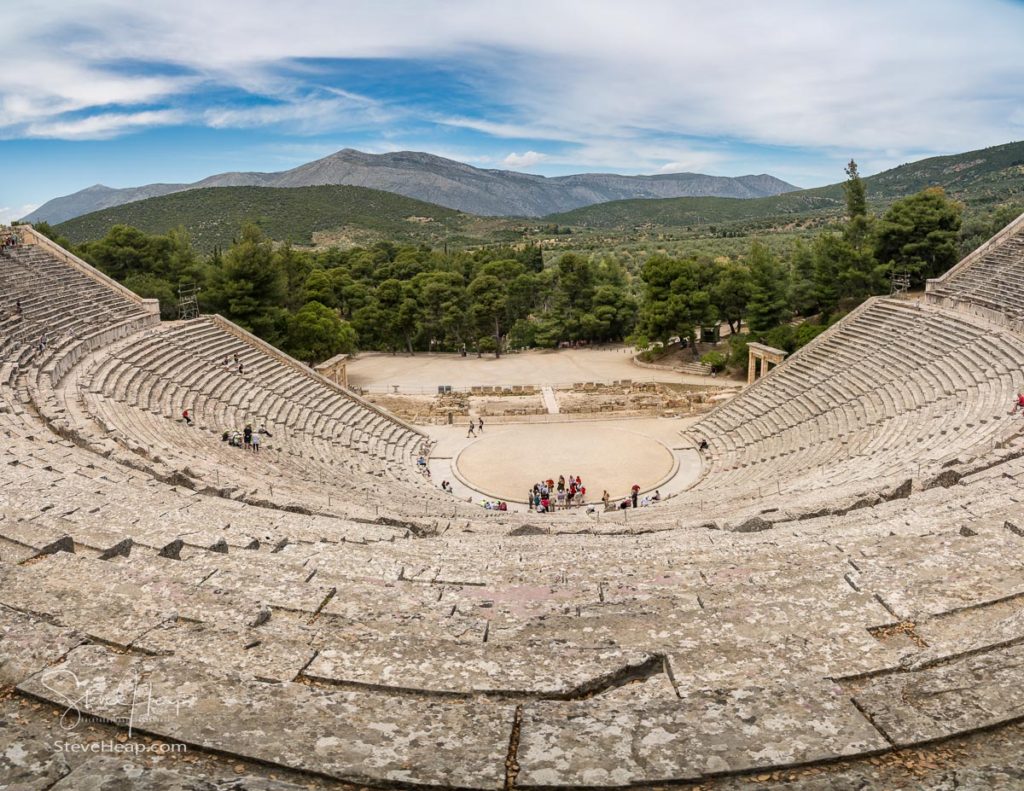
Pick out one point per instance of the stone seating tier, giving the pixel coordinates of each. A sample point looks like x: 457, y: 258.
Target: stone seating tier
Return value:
x: 457, y: 649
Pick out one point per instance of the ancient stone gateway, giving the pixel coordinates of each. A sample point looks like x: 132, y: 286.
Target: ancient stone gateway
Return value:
x: 768, y: 355
x: 335, y: 369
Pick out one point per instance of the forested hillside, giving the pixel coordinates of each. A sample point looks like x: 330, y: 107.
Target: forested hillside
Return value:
x: 346, y: 215
x: 416, y: 297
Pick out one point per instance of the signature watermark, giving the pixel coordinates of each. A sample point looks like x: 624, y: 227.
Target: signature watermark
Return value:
x: 113, y: 747
x: 129, y: 701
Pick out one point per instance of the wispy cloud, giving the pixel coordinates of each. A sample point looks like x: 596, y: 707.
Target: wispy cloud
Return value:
x: 103, y: 126
x: 9, y: 213
x: 655, y: 85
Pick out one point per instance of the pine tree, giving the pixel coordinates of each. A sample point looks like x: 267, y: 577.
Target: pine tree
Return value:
x: 768, y: 305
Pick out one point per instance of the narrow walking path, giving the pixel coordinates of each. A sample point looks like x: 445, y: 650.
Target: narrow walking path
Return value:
x: 549, y: 400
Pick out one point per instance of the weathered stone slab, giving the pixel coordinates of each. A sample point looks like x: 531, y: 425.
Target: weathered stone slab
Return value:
x: 971, y: 630
x: 471, y: 668
x: 111, y: 611
x: 13, y: 552
x: 28, y: 761
x: 599, y: 743
x: 287, y: 591
x: 271, y: 652
x: 361, y: 737
x: 108, y: 773
x: 969, y: 693
x: 929, y: 575
x: 29, y: 534
x: 648, y: 629
x: 28, y: 644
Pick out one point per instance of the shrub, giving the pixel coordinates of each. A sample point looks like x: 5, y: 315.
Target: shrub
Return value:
x: 716, y: 360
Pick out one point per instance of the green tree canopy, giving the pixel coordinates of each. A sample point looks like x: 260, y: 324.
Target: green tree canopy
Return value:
x: 316, y: 333
x: 918, y: 235
x: 769, y: 286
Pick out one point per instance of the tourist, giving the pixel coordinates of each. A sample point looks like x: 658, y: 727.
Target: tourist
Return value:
x: 241, y: 369
x: 1019, y: 406
x: 605, y: 498
x: 657, y: 495
x: 471, y: 432
x: 480, y: 424
x: 247, y: 436
x: 703, y: 445
x: 263, y: 430
x: 227, y: 361
x: 187, y: 418
x: 17, y: 306
x: 635, y: 493
x: 255, y: 440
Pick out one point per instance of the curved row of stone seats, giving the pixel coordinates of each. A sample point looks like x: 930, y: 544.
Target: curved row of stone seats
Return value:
x: 566, y: 640
x: 896, y: 389
x: 186, y: 363
x: 63, y: 314
x: 327, y: 449
x: 992, y: 276
x: 77, y: 314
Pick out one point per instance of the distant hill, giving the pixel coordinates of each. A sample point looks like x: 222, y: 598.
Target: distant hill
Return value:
x: 983, y: 178
x: 213, y: 216
x: 440, y: 181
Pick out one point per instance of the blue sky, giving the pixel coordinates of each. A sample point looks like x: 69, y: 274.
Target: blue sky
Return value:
x: 126, y: 93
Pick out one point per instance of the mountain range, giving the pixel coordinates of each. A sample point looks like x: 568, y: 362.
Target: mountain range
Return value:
x: 440, y: 181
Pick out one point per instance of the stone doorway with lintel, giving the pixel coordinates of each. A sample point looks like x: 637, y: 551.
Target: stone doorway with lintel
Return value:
x: 767, y: 355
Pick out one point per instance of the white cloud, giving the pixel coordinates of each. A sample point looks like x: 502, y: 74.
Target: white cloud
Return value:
x: 103, y: 126
x: 9, y: 213
x: 525, y: 160
x: 630, y: 81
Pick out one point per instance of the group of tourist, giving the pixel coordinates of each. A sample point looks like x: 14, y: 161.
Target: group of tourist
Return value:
x: 232, y: 361
x: 633, y: 500
x: 549, y: 495
x: 9, y: 240
x: 475, y: 427
x: 247, y: 439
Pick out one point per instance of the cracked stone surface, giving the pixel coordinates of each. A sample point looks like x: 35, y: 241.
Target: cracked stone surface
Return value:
x: 107, y: 773
x: 594, y: 743
x: 356, y: 736
x: 28, y: 761
x: 972, y: 692
x: 28, y: 644
x: 445, y: 666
